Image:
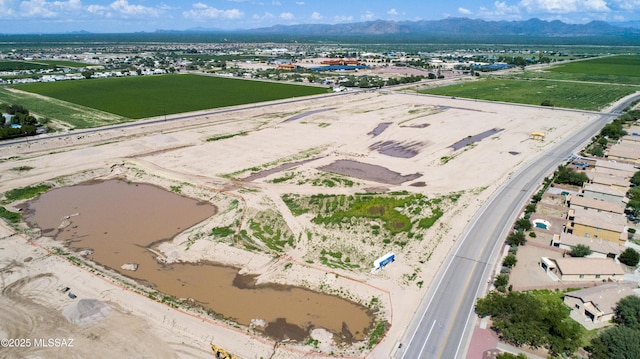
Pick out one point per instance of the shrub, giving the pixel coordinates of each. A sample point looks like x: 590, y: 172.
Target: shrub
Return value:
x: 581, y: 250
x: 510, y: 260
x: 516, y: 238
x: 629, y: 257
x: 523, y: 224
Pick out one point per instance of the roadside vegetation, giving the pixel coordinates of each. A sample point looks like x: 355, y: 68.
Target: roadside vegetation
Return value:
x: 538, y: 319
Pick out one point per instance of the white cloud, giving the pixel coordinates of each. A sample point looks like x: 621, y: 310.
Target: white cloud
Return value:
x: 342, y: 18
x: 267, y: 15
x: 300, y: 3
x: 123, y: 7
x: 286, y: 16
x: 97, y: 9
x: 625, y: 4
x: 502, y: 11
x: 316, y: 16
x: 276, y: 3
x: 564, y: 6
x: 43, y: 9
x: 5, y: 9
x: 202, y: 11
x: 392, y: 12
x: 464, y: 11
x: 367, y: 16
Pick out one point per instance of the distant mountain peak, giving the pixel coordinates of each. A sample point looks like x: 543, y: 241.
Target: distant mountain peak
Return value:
x: 454, y: 25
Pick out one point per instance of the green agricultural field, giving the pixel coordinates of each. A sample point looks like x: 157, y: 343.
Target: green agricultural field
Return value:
x: 6, y: 65
x: 612, y: 69
x: 63, y: 63
x: 141, y: 97
x: 75, y: 115
x: 566, y: 94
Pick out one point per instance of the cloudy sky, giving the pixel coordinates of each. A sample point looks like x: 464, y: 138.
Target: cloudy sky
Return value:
x: 104, y: 16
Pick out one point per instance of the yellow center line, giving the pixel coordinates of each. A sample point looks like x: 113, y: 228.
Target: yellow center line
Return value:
x: 466, y: 285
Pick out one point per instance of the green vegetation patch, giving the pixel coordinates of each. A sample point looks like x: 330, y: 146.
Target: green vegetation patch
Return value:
x: 12, y: 217
x: 294, y: 205
x: 612, y: 69
x: 537, y: 319
x: 336, y: 260
x: 222, y: 231
x: 63, y: 63
x: 396, y: 212
x: 427, y: 222
x: 585, y: 96
x: 224, y: 137
x: 75, y: 115
x: 382, y: 208
x: 21, y: 65
x: 25, y: 192
x: 148, y: 96
x: 377, y: 333
x: 270, y: 228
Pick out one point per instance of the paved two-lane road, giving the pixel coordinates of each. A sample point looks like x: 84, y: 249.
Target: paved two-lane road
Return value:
x: 441, y: 326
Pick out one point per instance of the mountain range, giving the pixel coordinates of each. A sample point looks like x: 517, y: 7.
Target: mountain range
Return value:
x: 454, y: 26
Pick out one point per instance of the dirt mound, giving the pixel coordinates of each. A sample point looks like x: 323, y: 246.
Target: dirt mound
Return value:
x: 86, y: 311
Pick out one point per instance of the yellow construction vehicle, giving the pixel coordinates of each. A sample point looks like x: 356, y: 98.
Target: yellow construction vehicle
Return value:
x: 221, y: 353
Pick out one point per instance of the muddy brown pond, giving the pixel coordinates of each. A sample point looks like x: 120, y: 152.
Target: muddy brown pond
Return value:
x: 121, y: 221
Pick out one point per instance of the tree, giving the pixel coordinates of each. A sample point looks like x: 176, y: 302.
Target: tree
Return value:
x: 619, y: 342
x: 629, y: 257
x: 613, y: 130
x: 634, y: 193
x: 501, y: 280
x: 634, y: 206
x: 523, y: 224
x: 87, y: 74
x: 509, y: 261
x: 566, y: 175
x: 581, y: 250
x: 538, y: 320
x: 635, y: 180
x: 516, y: 238
x: 627, y: 312
x: 596, y: 150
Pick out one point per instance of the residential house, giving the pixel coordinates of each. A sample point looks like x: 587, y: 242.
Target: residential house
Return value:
x: 605, y: 193
x: 596, y: 305
x: 583, y: 269
x: 597, y: 225
x: 611, y: 172
x: 607, y: 179
x: 597, y: 205
x: 623, y: 169
x: 599, y: 247
x: 628, y: 152
x: 634, y: 137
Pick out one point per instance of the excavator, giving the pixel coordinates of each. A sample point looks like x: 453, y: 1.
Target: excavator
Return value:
x: 221, y: 353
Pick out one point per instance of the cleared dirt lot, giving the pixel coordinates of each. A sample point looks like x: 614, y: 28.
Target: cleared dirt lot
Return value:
x: 332, y: 129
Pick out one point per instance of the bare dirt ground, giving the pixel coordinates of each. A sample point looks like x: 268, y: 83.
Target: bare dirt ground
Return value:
x: 178, y: 154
